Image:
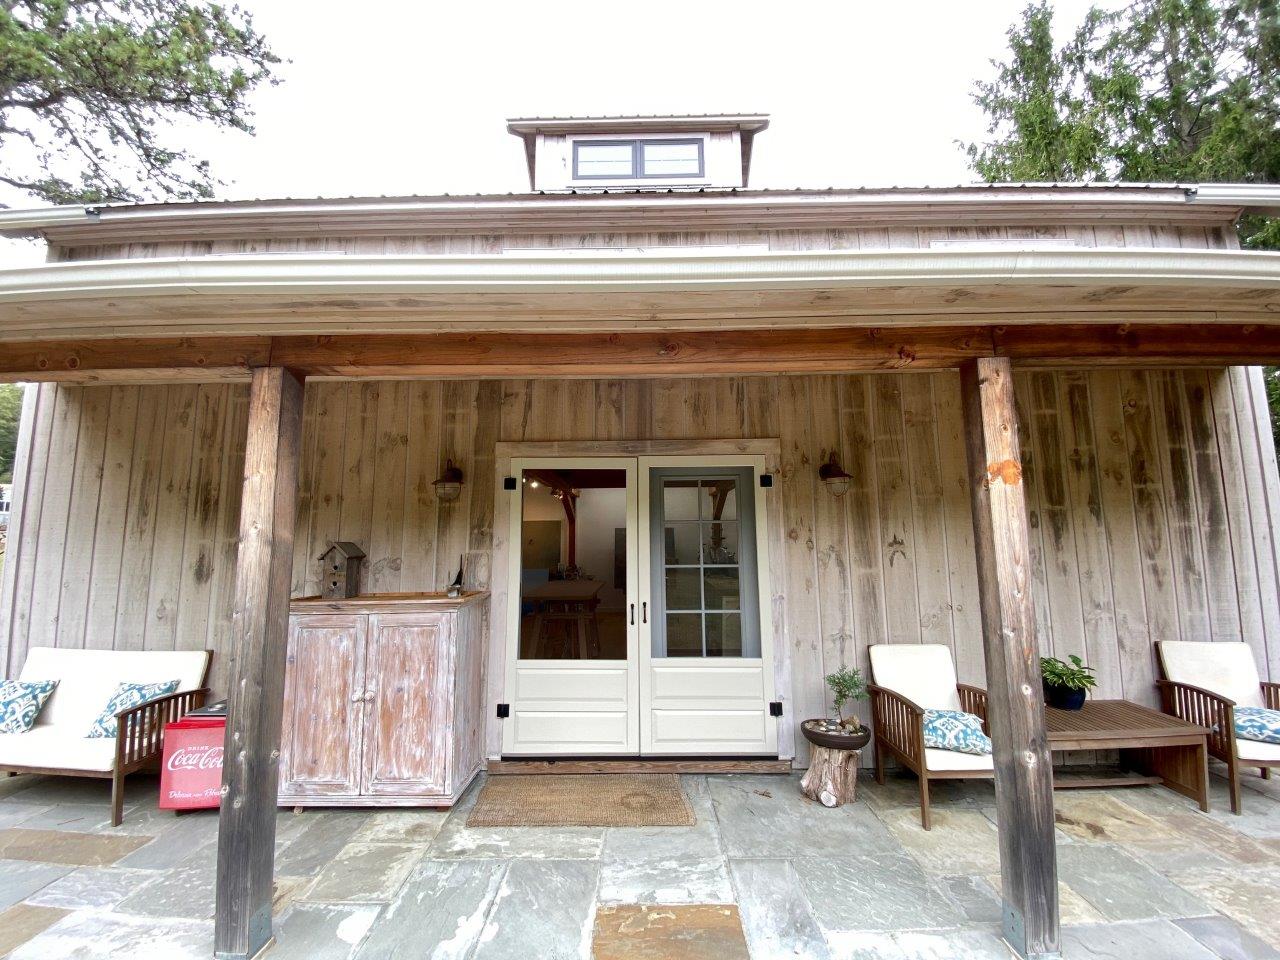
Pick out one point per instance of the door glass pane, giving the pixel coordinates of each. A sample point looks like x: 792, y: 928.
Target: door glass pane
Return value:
x: 708, y: 604
x: 724, y: 635
x: 684, y: 588
x: 684, y: 634
x: 720, y: 542
x: 680, y: 498
x: 573, y: 564
x: 681, y: 543
x: 722, y: 589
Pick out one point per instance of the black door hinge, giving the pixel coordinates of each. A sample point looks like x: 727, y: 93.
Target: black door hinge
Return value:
x: 509, y: 483
x: 766, y: 479
x: 504, y: 711
x: 775, y: 708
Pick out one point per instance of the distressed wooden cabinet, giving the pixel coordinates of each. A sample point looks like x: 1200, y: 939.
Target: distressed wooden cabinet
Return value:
x: 383, y: 701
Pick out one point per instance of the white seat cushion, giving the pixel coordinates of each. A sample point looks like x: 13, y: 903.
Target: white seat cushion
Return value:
x: 1227, y: 669
x: 921, y: 672
x: 87, y: 679
x: 52, y: 748
x: 1257, y: 750
x: 952, y: 760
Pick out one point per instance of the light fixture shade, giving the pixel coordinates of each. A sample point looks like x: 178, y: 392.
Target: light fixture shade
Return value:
x: 833, y: 475
x: 449, y: 484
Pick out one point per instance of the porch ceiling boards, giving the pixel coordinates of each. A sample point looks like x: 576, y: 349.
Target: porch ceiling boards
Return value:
x: 591, y: 291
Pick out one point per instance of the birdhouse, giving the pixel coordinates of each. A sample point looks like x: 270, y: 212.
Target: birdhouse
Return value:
x: 341, y: 571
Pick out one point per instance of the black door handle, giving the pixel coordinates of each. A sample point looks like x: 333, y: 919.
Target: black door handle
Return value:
x: 644, y: 612
x: 633, y: 615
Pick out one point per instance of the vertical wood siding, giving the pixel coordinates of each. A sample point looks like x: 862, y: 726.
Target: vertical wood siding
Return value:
x: 1153, y: 496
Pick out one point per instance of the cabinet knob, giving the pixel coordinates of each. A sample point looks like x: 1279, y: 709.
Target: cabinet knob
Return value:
x: 356, y: 698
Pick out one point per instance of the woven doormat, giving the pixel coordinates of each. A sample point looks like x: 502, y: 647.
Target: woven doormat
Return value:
x: 607, y: 800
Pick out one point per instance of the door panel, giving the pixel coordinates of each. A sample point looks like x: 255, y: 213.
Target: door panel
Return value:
x: 408, y: 676
x: 324, y: 680
x: 571, y: 630
x: 706, y: 654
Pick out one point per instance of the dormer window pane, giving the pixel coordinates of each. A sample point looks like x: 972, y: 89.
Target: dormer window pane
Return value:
x: 672, y: 158
x: 604, y: 159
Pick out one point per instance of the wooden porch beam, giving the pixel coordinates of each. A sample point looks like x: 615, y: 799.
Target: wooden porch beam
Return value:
x: 640, y: 354
x: 1015, y: 710
x: 247, y: 820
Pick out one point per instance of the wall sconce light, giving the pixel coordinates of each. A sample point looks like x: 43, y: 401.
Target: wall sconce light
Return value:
x: 833, y: 475
x: 449, y: 485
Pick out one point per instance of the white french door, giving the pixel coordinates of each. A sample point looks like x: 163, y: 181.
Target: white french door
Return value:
x: 634, y: 622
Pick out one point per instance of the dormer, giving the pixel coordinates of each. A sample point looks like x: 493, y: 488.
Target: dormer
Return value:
x: 638, y: 153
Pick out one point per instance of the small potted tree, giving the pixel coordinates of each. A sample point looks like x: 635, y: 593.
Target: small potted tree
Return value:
x: 832, y: 777
x: 1066, y: 684
x: 841, y: 733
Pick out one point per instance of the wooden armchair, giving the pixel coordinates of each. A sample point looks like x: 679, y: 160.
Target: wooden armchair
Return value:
x: 908, y: 679
x: 1226, y: 676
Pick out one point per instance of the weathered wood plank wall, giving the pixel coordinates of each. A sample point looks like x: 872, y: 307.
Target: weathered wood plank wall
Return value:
x: 1151, y: 509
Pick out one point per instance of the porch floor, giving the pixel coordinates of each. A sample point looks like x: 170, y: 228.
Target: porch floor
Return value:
x: 763, y: 874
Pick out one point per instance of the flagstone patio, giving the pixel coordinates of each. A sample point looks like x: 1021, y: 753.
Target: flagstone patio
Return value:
x: 763, y: 874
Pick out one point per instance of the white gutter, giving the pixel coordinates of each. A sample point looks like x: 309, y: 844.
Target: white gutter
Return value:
x: 1263, y: 198
x: 635, y: 271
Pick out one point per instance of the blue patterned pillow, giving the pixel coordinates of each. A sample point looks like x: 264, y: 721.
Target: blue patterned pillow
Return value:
x: 955, y: 730
x: 1258, y: 723
x: 128, y: 695
x: 21, y: 702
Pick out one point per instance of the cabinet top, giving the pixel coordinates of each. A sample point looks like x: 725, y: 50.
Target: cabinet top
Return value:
x: 385, y: 602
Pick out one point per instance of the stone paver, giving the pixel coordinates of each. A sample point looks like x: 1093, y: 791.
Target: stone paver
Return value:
x: 544, y: 909
x: 323, y: 931
x: 22, y: 921
x: 20, y: 879
x: 59, y: 846
x: 364, y: 872
x: 687, y: 932
x: 1143, y: 874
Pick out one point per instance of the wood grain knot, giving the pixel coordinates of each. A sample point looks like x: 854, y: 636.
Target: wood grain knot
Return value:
x: 1008, y: 472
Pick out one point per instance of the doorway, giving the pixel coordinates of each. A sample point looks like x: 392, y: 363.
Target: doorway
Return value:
x: 633, y: 615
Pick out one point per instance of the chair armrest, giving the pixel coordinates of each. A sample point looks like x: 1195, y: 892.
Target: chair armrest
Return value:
x: 1271, y: 695
x: 1203, y: 708
x: 973, y: 700
x: 140, y: 729
x: 898, y: 721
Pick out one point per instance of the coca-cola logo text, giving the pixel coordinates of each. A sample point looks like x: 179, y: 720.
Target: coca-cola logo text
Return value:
x: 196, y: 758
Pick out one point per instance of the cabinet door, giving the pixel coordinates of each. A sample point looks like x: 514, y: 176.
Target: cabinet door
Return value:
x: 408, y: 679
x: 320, y: 742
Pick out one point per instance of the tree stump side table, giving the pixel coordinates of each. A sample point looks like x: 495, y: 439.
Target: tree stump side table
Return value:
x: 832, y: 777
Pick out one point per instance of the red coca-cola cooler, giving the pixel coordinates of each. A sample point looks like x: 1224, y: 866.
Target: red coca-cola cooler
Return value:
x: 191, y: 772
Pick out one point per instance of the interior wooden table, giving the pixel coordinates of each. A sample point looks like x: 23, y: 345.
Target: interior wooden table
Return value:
x: 574, y: 601
x: 1159, y: 748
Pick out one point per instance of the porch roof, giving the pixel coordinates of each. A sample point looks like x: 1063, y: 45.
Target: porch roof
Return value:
x: 646, y: 209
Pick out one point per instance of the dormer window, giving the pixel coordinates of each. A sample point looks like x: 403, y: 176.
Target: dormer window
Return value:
x: 587, y: 154
x: 638, y: 159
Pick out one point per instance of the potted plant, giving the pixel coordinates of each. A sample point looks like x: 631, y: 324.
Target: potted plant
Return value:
x: 1066, y: 684
x: 841, y: 733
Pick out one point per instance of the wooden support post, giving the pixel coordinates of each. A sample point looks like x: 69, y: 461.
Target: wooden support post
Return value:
x: 1015, y: 708
x: 247, y: 822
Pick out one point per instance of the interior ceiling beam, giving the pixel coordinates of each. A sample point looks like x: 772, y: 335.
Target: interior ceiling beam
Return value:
x: 656, y: 354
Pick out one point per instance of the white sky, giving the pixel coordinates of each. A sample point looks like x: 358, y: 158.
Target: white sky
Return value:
x: 403, y: 97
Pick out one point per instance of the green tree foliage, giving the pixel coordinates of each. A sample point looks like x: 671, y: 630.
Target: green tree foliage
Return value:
x: 1161, y: 90
x: 10, y: 413
x: 91, y: 90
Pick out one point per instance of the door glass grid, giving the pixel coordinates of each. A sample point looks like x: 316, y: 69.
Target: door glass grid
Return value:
x: 701, y: 567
